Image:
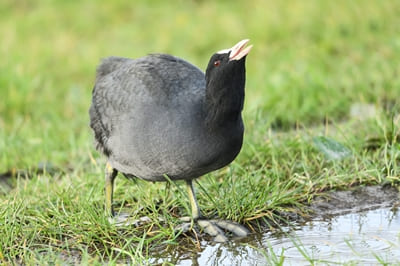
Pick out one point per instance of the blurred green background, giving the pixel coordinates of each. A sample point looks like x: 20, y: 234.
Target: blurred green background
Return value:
x: 310, y: 62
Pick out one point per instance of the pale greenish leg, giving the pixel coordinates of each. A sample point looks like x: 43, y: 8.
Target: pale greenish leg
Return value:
x: 212, y: 227
x: 110, y: 174
x: 196, y: 214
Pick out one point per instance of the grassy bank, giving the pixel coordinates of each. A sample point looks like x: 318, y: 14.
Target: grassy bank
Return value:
x: 311, y: 63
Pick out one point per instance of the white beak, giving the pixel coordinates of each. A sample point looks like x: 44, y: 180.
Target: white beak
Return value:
x: 238, y: 51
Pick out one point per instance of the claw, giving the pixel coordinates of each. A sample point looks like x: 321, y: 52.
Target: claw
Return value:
x: 230, y: 226
x: 213, y: 230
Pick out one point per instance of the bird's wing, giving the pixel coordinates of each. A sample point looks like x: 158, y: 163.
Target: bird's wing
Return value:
x: 108, y: 100
x: 124, y: 84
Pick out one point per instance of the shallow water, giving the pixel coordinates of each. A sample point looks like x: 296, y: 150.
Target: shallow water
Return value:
x: 352, y: 237
x: 365, y: 237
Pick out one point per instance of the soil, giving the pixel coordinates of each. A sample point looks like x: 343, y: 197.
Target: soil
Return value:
x: 355, y: 200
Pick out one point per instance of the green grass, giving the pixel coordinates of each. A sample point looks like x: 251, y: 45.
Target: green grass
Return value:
x: 310, y: 62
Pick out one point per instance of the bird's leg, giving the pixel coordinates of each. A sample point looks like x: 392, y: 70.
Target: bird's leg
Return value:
x: 212, y: 227
x: 121, y: 218
x: 110, y: 174
x: 193, y: 202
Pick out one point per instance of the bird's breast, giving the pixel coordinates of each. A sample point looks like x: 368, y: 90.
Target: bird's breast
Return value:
x: 175, y: 143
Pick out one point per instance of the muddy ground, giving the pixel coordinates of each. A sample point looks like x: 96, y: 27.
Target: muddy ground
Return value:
x: 355, y: 200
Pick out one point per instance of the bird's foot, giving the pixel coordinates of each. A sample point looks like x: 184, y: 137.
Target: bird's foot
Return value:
x: 215, y: 228
x: 126, y: 219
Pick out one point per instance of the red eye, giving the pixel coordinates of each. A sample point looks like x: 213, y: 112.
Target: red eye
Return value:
x: 217, y: 62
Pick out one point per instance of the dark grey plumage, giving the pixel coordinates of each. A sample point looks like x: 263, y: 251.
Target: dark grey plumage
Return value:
x: 151, y: 117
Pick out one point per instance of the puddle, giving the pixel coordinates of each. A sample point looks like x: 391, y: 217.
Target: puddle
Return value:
x: 361, y: 226
x: 361, y: 237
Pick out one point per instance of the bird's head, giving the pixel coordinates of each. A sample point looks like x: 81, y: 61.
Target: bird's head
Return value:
x: 226, y: 68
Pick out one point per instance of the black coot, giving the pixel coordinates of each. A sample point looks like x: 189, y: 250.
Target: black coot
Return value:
x: 160, y: 115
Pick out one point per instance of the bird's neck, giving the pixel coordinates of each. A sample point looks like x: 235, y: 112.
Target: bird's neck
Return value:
x: 224, y: 105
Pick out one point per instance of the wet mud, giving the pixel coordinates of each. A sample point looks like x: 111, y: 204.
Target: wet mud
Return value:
x: 355, y: 200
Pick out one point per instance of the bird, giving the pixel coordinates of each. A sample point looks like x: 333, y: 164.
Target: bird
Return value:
x: 159, y: 117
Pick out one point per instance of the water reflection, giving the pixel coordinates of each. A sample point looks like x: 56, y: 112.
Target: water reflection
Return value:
x: 365, y: 237
x: 361, y: 237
